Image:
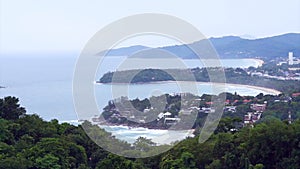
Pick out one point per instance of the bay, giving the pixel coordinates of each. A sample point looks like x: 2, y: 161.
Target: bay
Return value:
x: 44, y: 86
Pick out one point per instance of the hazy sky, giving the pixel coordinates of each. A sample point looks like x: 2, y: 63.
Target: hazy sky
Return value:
x: 65, y: 26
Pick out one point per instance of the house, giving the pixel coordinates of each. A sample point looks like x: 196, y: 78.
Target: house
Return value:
x: 246, y: 101
x: 256, y: 74
x: 235, y: 101
x: 251, y: 117
x: 258, y: 107
x: 230, y: 109
x: 171, y: 121
x: 167, y: 114
x: 227, y: 102
x: 207, y: 110
x: 295, y: 94
x: 247, y: 119
x: 209, y: 103
x: 160, y: 116
x: 142, y: 121
x: 185, y: 112
x: 194, y: 108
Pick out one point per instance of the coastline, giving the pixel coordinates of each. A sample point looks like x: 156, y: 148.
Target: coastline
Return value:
x: 268, y: 90
x: 260, y: 62
x: 159, y: 136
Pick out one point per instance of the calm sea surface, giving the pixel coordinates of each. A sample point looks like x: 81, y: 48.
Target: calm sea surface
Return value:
x: 44, y: 86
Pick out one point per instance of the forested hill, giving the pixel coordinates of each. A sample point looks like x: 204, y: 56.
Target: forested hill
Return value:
x: 233, y: 47
x: 235, y: 76
x: 29, y: 142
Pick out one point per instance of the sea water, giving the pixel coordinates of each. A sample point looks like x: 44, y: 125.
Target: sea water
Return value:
x: 44, y: 86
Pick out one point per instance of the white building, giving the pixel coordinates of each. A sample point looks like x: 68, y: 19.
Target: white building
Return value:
x: 292, y: 60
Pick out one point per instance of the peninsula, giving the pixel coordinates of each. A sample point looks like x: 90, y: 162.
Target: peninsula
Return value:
x: 233, y: 75
x: 176, y: 114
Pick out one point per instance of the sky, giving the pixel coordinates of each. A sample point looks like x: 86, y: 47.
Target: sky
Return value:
x: 55, y: 26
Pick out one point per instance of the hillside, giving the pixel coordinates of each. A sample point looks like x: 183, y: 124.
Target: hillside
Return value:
x: 234, y: 76
x: 232, y: 47
x: 29, y: 142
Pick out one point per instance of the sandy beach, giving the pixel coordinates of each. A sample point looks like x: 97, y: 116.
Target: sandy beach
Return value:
x: 260, y: 62
x: 267, y: 90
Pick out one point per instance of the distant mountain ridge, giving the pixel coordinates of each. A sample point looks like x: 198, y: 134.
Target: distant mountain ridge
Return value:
x: 268, y: 48
x: 232, y: 47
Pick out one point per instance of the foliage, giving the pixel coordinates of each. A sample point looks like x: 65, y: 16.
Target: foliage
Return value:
x: 30, y: 142
x: 233, y: 75
x: 10, y: 108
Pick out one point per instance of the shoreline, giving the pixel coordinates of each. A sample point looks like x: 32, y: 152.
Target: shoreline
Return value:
x: 268, y: 90
x: 233, y: 58
x: 159, y: 137
x: 260, y: 62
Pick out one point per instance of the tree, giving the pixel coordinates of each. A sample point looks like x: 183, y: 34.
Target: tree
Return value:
x: 10, y: 108
x: 48, y: 161
x: 14, y: 163
x: 216, y: 164
x: 5, y: 134
x: 143, y: 144
x: 260, y: 96
x: 186, y: 161
x: 116, y: 162
x: 226, y: 124
x: 66, y: 154
x: 258, y: 166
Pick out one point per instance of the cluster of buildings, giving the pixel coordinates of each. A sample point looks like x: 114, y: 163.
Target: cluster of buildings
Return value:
x: 288, y: 76
x: 291, y: 74
x: 291, y: 60
x: 251, y: 117
x: 230, y: 106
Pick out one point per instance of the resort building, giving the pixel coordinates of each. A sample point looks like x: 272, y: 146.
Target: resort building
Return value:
x: 258, y: 107
x: 292, y: 60
x: 251, y: 118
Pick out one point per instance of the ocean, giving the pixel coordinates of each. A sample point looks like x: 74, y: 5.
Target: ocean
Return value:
x: 44, y: 85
